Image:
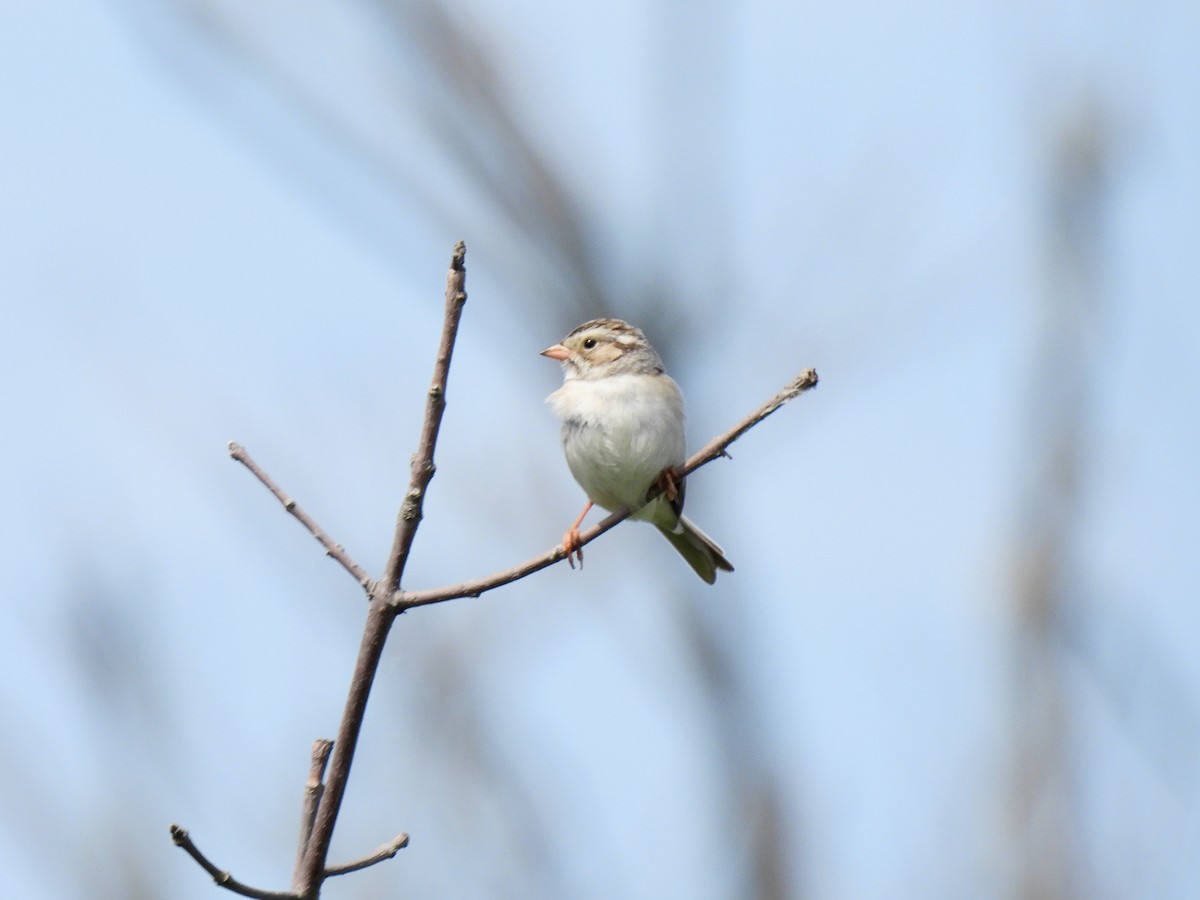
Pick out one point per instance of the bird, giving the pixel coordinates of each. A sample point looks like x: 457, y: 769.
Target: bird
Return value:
x: 622, y: 433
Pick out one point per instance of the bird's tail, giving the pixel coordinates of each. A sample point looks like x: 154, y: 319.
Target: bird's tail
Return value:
x: 700, y: 551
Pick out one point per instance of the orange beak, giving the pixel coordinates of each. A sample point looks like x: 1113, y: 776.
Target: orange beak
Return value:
x: 558, y: 351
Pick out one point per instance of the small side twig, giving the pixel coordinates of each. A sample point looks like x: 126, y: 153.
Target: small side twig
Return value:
x: 387, y: 851
x: 313, y: 788
x: 334, y: 550
x: 404, y: 600
x: 182, y: 839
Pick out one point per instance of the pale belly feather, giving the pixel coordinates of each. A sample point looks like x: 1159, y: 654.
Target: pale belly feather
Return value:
x: 619, y: 433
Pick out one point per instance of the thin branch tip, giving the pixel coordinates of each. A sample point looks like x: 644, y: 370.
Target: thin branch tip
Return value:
x: 321, y: 749
x: 384, y: 853
x: 220, y: 876
x: 805, y: 380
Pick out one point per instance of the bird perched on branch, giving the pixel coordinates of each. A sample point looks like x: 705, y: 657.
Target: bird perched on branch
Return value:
x: 622, y: 431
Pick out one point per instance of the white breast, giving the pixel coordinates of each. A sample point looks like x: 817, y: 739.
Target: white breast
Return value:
x: 619, y: 433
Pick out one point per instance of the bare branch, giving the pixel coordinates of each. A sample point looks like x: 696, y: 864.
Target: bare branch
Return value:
x: 435, y: 405
x: 805, y: 381
x: 312, y: 797
x: 323, y: 797
x: 403, y: 600
x: 182, y: 839
x: 387, y: 851
x: 381, y: 613
x: 336, y: 551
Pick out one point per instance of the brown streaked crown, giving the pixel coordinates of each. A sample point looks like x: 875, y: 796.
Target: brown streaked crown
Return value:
x: 609, y: 347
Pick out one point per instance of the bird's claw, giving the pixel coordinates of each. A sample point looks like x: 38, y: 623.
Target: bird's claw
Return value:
x: 573, y: 547
x: 668, y: 483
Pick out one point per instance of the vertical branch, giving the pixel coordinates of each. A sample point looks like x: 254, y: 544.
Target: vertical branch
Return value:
x: 381, y: 613
x: 379, y: 621
x: 435, y: 404
x: 313, y: 790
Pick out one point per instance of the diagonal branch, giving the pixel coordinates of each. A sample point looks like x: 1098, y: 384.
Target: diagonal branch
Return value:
x: 336, y: 551
x: 404, y: 600
x: 182, y: 839
x: 805, y: 381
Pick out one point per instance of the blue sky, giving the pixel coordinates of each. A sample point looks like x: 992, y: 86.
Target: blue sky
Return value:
x: 228, y: 224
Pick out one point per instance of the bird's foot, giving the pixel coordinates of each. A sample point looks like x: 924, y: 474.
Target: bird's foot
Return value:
x: 573, y: 547
x: 668, y: 483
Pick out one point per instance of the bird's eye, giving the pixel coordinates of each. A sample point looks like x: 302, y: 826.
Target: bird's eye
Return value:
x: 589, y: 343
